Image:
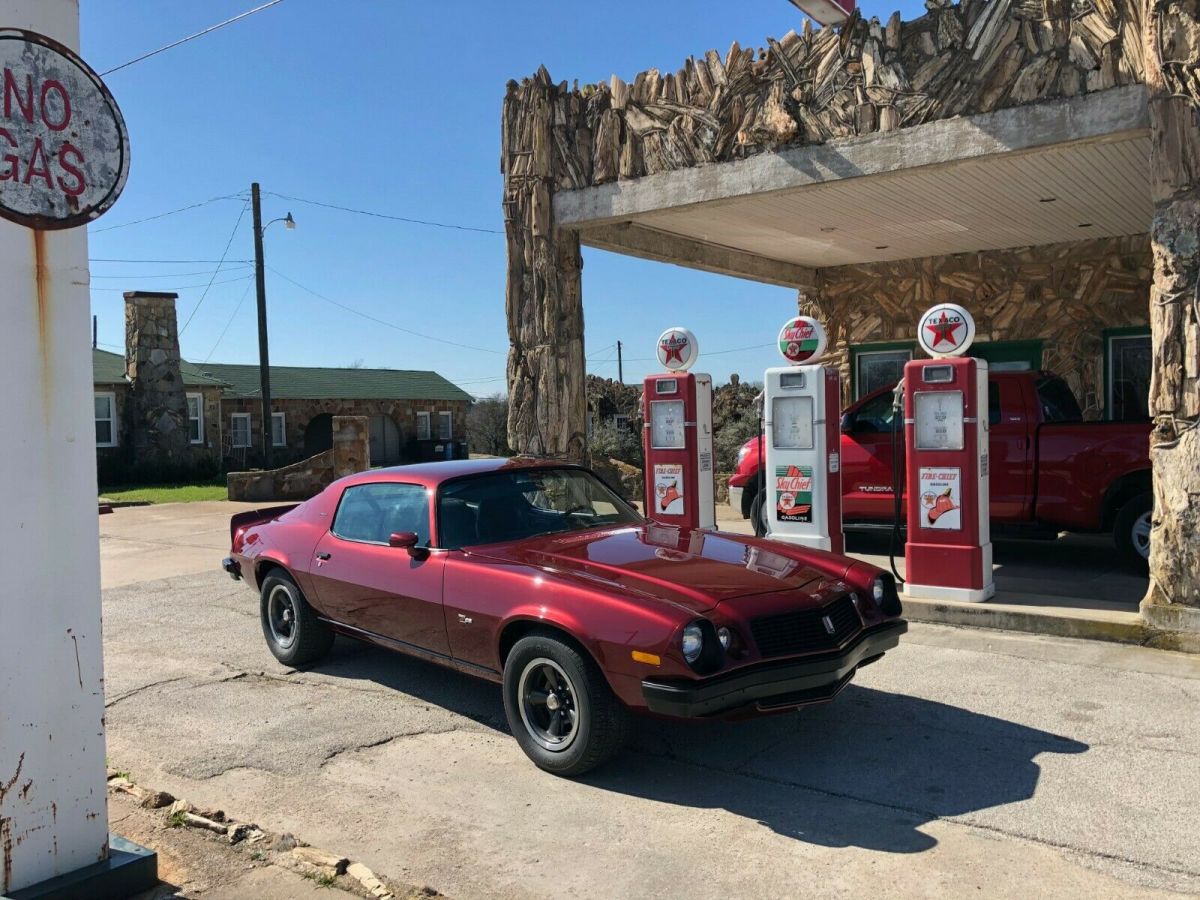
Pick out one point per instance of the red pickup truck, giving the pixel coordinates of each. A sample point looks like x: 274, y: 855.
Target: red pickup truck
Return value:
x: 1050, y: 470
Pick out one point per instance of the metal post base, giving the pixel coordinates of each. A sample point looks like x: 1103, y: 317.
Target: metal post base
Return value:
x: 129, y: 869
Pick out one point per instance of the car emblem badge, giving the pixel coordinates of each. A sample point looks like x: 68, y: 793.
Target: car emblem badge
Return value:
x: 828, y: 623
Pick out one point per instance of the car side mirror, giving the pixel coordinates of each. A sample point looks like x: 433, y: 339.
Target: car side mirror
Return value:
x: 407, y: 540
x: 848, y: 423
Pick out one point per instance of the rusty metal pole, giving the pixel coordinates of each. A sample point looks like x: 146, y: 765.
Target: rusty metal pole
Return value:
x: 264, y: 362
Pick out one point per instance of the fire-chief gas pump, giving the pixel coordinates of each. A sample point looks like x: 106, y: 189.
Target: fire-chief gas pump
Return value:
x: 948, y: 554
x: 678, y: 439
x: 801, y: 422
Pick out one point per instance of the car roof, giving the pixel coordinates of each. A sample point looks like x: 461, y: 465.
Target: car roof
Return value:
x: 431, y: 474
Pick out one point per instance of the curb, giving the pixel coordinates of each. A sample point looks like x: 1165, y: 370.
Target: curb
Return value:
x: 1092, y: 625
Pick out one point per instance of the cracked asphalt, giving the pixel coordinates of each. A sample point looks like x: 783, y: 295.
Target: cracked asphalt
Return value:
x: 965, y: 761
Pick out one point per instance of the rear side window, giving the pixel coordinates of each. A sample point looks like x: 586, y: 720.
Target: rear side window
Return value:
x: 875, y: 416
x: 374, y: 512
x: 1057, y: 402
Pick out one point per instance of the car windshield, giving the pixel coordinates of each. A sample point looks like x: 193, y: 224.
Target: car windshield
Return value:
x: 511, y: 506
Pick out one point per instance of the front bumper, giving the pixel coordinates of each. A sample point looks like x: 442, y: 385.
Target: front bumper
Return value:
x: 772, y: 685
x: 735, y: 499
x: 232, y: 566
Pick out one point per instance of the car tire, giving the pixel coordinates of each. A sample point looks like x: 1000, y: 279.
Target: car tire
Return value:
x: 559, y: 706
x: 294, y: 634
x: 758, y: 515
x: 1131, y: 531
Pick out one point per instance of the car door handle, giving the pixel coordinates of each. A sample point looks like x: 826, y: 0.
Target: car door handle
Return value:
x: 322, y: 556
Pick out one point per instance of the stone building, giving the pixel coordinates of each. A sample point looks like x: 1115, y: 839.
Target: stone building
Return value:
x: 159, y: 416
x: 1036, y: 161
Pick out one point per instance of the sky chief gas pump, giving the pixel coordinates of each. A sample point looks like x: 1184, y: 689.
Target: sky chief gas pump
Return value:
x: 678, y: 439
x: 948, y: 554
x: 801, y: 413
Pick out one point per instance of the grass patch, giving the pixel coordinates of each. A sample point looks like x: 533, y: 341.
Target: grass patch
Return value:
x: 166, y: 493
x: 177, y: 820
x: 326, y: 880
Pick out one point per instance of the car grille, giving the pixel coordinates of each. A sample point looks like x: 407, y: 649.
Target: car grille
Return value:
x: 804, y: 631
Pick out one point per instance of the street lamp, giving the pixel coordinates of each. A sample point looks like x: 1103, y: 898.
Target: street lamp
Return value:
x: 264, y: 363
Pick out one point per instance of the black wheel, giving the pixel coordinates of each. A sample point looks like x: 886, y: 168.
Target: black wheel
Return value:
x: 1131, y: 531
x: 294, y: 634
x: 760, y: 515
x: 560, y: 709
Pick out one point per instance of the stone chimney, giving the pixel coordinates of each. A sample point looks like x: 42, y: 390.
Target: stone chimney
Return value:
x: 156, y: 412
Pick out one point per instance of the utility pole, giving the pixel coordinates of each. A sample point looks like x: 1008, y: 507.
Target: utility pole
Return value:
x: 620, y: 365
x: 264, y: 363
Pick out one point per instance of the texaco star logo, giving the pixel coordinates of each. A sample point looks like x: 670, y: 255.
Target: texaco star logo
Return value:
x: 943, y: 330
x: 673, y: 346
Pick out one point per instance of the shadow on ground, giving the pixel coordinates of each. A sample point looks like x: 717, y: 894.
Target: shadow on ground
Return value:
x: 866, y: 770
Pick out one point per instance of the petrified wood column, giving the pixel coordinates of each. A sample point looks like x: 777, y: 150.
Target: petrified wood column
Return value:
x: 1172, y: 30
x: 544, y: 300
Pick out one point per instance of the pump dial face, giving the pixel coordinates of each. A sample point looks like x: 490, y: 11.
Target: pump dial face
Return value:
x: 792, y: 423
x: 666, y: 425
x: 939, y: 420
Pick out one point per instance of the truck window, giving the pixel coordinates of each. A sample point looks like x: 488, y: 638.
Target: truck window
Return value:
x: 993, y: 403
x: 1057, y: 402
x: 875, y: 416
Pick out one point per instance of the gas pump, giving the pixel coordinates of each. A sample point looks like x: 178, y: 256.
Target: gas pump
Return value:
x: 948, y: 553
x: 801, y: 410
x: 677, y: 438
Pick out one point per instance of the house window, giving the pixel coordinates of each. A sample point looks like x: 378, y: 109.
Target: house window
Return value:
x: 445, y: 426
x: 423, y: 431
x: 195, y: 409
x: 621, y: 421
x: 278, y: 430
x: 106, y: 420
x: 239, y: 429
x: 1127, y: 371
x: 874, y: 369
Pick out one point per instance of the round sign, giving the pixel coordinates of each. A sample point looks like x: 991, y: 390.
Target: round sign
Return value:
x: 802, y: 340
x: 678, y: 349
x: 64, y: 150
x: 946, y: 330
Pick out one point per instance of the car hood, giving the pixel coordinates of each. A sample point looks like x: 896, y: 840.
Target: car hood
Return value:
x: 693, y: 569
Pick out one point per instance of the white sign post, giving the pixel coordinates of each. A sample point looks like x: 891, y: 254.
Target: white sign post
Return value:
x: 63, y: 161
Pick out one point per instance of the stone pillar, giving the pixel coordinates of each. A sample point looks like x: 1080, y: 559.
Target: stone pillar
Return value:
x: 547, y: 404
x: 351, y: 445
x: 1172, y: 42
x: 156, y: 413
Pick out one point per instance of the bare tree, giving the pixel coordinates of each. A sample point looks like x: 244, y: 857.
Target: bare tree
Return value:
x: 487, y: 426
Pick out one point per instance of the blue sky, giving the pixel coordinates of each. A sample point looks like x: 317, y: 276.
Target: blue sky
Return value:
x: 390, y: 106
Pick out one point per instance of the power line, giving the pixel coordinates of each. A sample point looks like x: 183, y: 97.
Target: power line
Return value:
x: 168, y: 262
x: 173, y: 212
x: 706, y: 353
x: 141, y: 276
x: 181, y: 287
x: 192, y: 37
x: 376, y: 215
x: 236, y: 310
x: 383, y: 322
x: 228, y: 244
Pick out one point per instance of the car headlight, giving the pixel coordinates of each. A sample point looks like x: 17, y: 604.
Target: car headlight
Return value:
x: 741, y: 455
x: 878, y: 590
x: 724, y: 636
x: 693, y: 642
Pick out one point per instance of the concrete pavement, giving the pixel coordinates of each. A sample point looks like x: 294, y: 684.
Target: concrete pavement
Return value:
x: 965, y: 761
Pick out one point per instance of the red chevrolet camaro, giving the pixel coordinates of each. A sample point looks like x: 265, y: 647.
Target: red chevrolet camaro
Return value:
x: 536, y: 575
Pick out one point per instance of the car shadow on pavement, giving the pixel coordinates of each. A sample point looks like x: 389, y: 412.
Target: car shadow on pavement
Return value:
x: 866, y: 770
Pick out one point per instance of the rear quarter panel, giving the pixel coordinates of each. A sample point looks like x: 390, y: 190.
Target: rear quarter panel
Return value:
x: 288, y: 541
x: 1077, y: 463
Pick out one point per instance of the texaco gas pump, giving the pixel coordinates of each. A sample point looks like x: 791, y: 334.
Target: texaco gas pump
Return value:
x: 802, y: 433
x: 678, y: 440
x: 948, y: 554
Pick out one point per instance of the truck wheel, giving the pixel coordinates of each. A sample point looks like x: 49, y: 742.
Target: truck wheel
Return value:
x: 295, y: 636
x: 1132, y: 531
x: 760, y: 515
x: 559, y: 707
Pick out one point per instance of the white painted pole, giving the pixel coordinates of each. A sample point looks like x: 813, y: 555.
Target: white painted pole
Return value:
x: 53, y: 816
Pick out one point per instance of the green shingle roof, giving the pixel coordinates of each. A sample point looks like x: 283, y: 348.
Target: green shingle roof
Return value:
x: 313, y: 383
x: 299, y: 382
x: 109, y: 368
